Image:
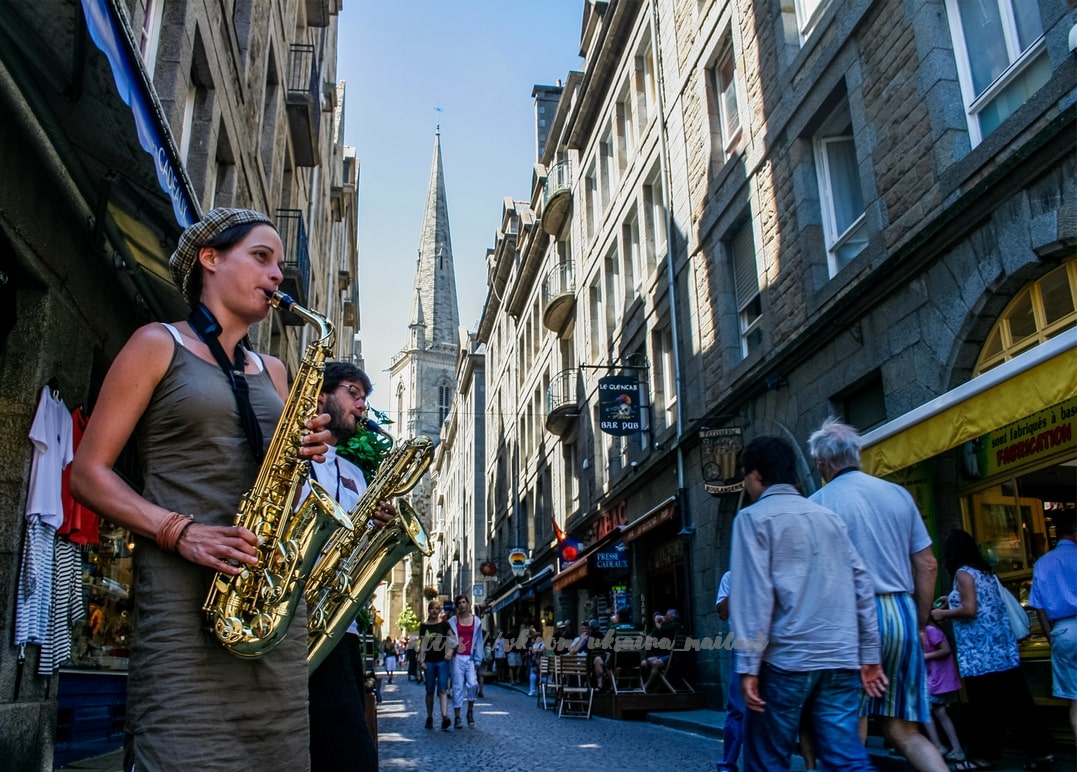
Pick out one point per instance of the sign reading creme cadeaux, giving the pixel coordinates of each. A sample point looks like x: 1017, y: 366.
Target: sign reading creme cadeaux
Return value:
x: 619, y: 405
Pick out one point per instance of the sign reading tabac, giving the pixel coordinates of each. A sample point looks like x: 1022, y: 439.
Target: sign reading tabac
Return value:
x: 719, y: 450
x: 619, y: 405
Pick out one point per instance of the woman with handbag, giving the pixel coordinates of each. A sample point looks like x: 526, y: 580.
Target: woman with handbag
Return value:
x: 988, y: 660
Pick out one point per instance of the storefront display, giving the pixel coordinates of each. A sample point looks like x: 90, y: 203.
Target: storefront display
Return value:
x: 103, y: 638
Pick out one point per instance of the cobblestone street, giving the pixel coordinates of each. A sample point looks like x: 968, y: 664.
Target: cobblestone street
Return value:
x: 511, y: 733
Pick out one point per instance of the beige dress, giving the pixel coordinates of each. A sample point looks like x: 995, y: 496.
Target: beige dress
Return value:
x: 191, y: 703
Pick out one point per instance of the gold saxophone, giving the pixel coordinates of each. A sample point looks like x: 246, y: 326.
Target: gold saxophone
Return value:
x: 251, y: 611
x: 353, y: 562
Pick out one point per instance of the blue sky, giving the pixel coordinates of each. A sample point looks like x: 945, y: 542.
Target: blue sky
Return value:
x: 477, y: 60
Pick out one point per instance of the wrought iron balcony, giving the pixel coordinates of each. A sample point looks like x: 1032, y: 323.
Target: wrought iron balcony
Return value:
x: 558, y: 296
x: 304, y: 104
x: 562, y: 402
x: 556, y: 197
x: 293, y: 234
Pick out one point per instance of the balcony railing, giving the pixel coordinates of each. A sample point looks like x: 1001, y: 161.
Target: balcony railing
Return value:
x: 556, y: 197
x: 350, y: 310
x: 293, y: 234
x: 304, y: 104
x: 562, y: 403
x: 558, y: 296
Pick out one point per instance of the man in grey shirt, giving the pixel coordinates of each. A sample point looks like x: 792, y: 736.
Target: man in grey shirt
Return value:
x: 802, y: 600
x: 886, y: 528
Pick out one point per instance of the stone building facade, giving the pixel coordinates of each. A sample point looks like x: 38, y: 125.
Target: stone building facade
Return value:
x: 127, y: 120
x: 766, y: 213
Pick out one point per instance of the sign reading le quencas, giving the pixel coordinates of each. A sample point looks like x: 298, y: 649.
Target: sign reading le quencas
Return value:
x: 619, y: 405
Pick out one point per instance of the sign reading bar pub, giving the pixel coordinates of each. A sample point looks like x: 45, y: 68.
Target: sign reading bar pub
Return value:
x: 619, y: 405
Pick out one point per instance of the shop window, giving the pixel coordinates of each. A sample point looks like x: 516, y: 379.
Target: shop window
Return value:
x: 102, y: 639
x: 1037, y: 313
x: 1001, y: 58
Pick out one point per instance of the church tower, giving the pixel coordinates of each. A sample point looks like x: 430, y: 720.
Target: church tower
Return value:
x: 422, y: 375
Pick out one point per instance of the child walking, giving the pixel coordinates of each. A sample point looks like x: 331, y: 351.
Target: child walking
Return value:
x: 943, y: 684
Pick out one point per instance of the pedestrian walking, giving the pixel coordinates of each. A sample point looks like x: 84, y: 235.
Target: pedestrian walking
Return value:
x: 466, y: 657
x: 943, y: 684
x: 988, y: 660
x: 1054, y: 596
x: 803, y: 608
x: 434, y: 647
x: 888, y: 533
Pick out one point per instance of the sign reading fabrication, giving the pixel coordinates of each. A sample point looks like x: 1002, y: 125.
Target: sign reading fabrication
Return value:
x: 619, y: 405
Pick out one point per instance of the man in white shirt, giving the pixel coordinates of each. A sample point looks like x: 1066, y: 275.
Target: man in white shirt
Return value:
x: 339, y: 737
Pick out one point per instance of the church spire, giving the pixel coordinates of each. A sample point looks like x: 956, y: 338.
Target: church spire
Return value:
x: 435, y: 306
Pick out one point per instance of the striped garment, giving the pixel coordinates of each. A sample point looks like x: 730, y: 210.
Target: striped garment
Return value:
x: 902, y: 661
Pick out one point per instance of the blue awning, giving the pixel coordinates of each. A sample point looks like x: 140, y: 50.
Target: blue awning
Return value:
x: 507, y: 601
x: 132, y: 84
x: 543, y: 580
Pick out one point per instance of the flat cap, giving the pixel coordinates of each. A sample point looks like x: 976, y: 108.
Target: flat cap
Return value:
x: 217, y: 221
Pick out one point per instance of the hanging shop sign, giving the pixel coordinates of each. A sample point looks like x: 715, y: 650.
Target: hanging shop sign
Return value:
x: 719, y: 450
x: 488, y: 568
x: 478, y: 590
x: 612, y: 559
x: 518, y: 561
x: 569, y: 550
x: 619, y: 398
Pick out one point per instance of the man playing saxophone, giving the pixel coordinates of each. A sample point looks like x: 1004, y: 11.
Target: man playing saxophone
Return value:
x: 340, y: 740
x: 202, y: 408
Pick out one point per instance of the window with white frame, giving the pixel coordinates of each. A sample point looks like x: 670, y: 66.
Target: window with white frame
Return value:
x: 1001, y: 58
x: 594, y: 296
x: 840, y: 194
x: 445, y: 392
x: 746, y: 286
x: 654, y: 221
x: 664, y: 386
x: 150, y: 34
x: 725, y: 82
x: 808, y: 14
x: 633, y: 270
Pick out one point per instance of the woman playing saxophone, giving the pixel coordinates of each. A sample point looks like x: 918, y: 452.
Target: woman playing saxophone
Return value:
x: 201, y: 430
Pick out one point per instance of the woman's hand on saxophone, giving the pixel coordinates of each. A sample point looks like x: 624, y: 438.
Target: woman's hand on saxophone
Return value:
x: 224, y: 548
x: 316, y: 440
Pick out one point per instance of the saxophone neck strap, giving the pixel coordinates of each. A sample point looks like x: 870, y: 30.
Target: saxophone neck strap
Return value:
x: 208, y: 330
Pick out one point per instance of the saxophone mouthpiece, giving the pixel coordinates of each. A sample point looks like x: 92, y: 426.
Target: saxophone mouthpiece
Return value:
x: 279, y: 299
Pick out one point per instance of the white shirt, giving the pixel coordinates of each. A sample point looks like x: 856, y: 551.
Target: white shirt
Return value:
x: 345, y: 482
x: 51, y: 436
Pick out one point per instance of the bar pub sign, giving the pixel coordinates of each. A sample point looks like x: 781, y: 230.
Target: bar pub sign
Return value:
x: 619, y: 405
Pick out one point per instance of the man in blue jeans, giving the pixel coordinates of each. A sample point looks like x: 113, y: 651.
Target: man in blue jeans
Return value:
x: 733, y: 731
x: 803, y: 607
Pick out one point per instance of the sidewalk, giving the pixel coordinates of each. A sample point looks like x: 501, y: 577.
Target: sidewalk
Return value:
x: 703, y: 722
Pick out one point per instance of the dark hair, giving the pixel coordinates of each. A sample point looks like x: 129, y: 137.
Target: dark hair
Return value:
x: 222, y: 242
x: 338, y: 372
x: 960, y: 549
x: 773, y: 458
x: 1065, y: 522
x: 459, y: 598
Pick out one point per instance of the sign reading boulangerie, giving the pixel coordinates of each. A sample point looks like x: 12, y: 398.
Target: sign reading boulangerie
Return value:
x: 719, y: 449
x: 619, y: 405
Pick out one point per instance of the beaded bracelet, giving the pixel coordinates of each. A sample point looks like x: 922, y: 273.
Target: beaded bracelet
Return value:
x: 172, y: 529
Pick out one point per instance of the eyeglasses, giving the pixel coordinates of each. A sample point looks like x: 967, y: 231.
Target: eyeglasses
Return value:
x: 353, y: 392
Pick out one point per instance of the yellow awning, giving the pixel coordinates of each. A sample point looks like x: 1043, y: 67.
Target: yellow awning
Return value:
x: 1035, y: 380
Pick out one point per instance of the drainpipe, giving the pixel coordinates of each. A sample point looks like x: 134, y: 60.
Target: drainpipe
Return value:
x: 671, y: 281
